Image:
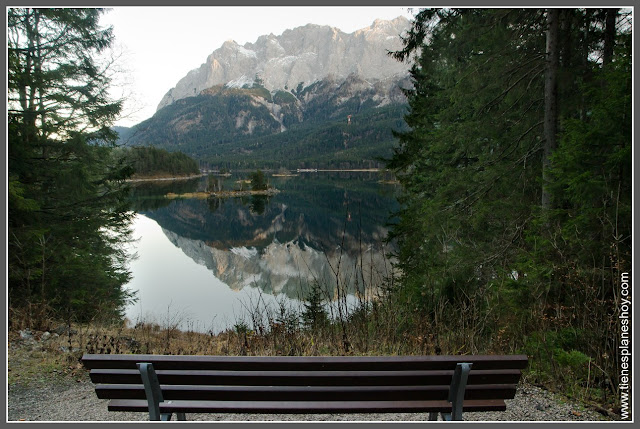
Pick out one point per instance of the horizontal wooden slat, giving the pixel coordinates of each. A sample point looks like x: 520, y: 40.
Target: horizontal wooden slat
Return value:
x: 336, y: 384
x: 295, y: 407
x: 306, y: 378
x: 304, y: 393
x: 305, y: 363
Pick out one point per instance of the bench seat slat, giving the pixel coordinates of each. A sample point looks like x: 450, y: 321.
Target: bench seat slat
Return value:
x: 306, y: 378
x: 305, y: 363
x: 295, y: 407
x: 299, y: 385
x: 304, y: 393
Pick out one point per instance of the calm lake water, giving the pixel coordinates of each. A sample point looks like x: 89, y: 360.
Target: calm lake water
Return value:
x: 209, y: 264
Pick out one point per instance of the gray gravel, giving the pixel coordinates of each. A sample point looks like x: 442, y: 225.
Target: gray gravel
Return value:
x: 69, y: 400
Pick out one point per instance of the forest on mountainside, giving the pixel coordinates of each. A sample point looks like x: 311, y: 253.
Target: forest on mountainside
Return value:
x: 236, y: 128
x: 363, y: 143
x: 153, y: 162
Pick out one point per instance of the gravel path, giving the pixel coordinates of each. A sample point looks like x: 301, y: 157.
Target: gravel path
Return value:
x: 70, y: 400
x: 38, y: 392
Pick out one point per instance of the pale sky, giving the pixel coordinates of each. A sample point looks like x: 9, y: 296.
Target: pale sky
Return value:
x: 160, y: 45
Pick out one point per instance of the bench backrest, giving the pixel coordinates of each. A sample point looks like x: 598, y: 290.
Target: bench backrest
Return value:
x: 251, y: 378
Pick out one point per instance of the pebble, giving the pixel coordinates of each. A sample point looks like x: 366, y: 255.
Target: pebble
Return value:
x: 75, y: 400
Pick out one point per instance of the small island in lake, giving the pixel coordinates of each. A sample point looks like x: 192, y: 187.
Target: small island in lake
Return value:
x: 259, y: 186
x: 224, y: 194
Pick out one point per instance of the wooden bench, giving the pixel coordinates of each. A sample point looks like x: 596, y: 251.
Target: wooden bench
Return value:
x: 162, y: 385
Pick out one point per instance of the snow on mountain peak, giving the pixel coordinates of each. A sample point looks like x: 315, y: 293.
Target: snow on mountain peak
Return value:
x: 303, y: 55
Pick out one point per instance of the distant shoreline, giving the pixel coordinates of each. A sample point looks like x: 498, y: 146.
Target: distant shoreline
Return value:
x: 165, y: 178
x: 222, y: 194
x: 293, y: 174
x: 348, y: 170
x: 354, y: 170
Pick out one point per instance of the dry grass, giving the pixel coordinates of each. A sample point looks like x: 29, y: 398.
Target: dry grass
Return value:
x: 46, y: 355
x: 377, y: 329
x: 379, y: 326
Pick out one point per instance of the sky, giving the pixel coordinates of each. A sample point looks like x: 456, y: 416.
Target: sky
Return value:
x: 157, y: 46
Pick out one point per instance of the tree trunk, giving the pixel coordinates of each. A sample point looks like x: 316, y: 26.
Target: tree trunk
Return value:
x: 609, y: 36
x: 550, y: 102
x: 586, y: 70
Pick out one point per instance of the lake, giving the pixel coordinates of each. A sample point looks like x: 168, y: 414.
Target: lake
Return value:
x: 212, y: 264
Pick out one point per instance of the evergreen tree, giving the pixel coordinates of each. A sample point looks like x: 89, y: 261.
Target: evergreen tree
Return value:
x: 584, y: 243
x: 152, y: 161
x: 517, y: 211
x: 67, y: 215
x: 258, y: 181
x: 314, y: 315
x: 469, y: 162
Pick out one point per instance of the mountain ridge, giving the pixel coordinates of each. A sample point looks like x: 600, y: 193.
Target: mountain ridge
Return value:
x: 298, y: 58
x: 339, y: 115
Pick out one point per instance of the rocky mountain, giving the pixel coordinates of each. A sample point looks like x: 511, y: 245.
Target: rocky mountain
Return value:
x: 299, y: 58
x: 312, y: 97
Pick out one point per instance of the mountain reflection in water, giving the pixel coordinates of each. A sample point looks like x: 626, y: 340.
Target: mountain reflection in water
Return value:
x: 322, y: 229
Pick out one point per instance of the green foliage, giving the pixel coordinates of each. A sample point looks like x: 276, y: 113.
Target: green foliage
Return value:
x: 284, y: 97
x: 68, y: 216
x: 220, y: 106
x: 326, y: 143
x: 584, y: 242
x: 472, y: 226
x: 239, y: 134
x: 555, y: 359
x: 258, y: 181
x: 470, y: 142
x: 151, y: 161
x: 314, y: 315
x: 574, y: 360
x: 241, y: 327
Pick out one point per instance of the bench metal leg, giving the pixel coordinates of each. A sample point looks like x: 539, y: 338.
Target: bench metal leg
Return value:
x: 152, y: 390
x: 154, y: 393
x: 165, y: 417
x: 456, y: 391
x: 456, y: 394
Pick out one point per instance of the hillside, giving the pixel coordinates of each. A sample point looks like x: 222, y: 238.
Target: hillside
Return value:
x: 328, y: 124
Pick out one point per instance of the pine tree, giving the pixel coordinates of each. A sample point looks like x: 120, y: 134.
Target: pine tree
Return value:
x: 258, y: 181
x: 469, y: 162
x: 314, y: 315
x: 516, y: 210
x: 585, y: 241
x: 67, y: 215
